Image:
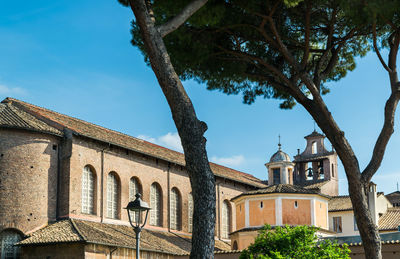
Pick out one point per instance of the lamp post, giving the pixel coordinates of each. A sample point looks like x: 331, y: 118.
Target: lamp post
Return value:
x: 135, y: 209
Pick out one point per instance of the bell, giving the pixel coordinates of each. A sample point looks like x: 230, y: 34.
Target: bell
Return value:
x: 310, y: 172
x: 321, y: 168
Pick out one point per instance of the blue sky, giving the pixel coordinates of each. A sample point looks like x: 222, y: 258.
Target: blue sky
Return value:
x: 75, y: 57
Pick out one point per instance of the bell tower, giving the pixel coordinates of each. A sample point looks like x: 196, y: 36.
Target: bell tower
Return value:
x: 280, y: 168
x: 316, y: 165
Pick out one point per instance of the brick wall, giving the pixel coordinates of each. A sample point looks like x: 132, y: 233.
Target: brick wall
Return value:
x: 126, y: 164
x: 28, y: 179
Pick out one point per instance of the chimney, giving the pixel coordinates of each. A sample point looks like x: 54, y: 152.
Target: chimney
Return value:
x: 372, y: 202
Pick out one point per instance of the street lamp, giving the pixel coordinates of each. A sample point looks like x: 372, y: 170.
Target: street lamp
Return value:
x: 135, y: 209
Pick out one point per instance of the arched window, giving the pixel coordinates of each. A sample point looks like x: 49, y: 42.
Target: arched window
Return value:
x: 88, y: 188
x: 7, y: 240
x: 235, y: 245
x: 314, y: 148
x: 226, y: 219
x: 134, y: 188
x: 190, y: 213
x: 175, y: 209
x: 156, y: 205
x: 112, y: 195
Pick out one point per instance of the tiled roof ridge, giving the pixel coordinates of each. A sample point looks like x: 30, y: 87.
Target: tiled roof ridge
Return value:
x: 59, y: 126
x: 77, y: 229
x: 243, y: 173
x: 74, y: 118
x: 340, y: 196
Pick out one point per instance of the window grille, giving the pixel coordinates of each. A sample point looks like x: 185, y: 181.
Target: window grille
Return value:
x: 277, y: 175
x: 175, y: 204
x: 87, y: 191
x: 155, y: 204
x: 190, y: 213
x: 226, y: 220
x: 112, y: 196
x: 134, y: 188
x: 7, y: 240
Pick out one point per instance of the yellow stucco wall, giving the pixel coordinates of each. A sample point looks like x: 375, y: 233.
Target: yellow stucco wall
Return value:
x: 261, y: 216
x: 296, y: 216
x: 240, y: 216
x: 321, y: 219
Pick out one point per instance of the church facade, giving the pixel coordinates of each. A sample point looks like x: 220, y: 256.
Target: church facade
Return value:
x: 54, y: 167
x: 64, y: 184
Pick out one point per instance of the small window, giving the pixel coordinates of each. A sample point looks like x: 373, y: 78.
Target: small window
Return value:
x: 235, y: 245
x: 261, y: 205
x: 337, y: 224
x: 355, y: 224
x: 314, y: 148
x: 333, y: 171
x: 296, y: 205
x: 277, y: 175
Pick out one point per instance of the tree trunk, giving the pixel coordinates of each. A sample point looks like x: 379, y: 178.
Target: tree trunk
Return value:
x: 190, y: 129
x: 357, y: 187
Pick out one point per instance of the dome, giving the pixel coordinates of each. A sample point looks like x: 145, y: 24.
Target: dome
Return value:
x: 280, y: 156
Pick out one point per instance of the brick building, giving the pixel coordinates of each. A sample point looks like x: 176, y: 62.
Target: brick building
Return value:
x: 55, y: 169
x: 64, y: 183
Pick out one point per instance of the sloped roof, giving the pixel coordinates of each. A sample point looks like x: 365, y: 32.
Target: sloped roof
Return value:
x: 12, y: 117
x: 340, y: 203
x: 74, y: 230
x: 280, y: 156
x: 314, y: 185
x: 390, y: 220
x: 281, y: 188
x: 314, y: 134
x: 44, y: 120
x: 394, y: 197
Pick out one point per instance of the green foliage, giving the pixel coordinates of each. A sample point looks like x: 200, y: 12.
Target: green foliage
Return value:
x: 227, y: 44
x: 293, y: 242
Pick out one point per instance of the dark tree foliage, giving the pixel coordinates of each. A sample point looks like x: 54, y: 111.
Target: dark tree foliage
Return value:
x: 298, y: 242
x: 290, y: 50
x: 230, y: 45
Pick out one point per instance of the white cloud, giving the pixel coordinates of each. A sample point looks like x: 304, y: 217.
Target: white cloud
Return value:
x: 169, y: 140
x: 229, y: 161
x: 6, y: 90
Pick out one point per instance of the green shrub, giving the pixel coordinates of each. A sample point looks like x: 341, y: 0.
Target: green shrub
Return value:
x: 293, y: 242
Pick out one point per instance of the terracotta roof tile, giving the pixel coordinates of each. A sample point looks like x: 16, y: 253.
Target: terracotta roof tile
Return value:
x: 314, y: 185
x: 61, y: 232
x: 73, y: 230
x: 281, y: 188
x: 390, y: 220
x: 12, y: 117
x: 394, y: 197
x: 60, y: 121
x: 340, y: 203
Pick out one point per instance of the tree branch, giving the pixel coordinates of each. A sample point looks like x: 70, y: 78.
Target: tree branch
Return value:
x: 378, y: 53
x: 383, y: 139
x: 390, y: 110
x: 180, y: 18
